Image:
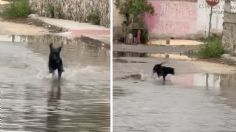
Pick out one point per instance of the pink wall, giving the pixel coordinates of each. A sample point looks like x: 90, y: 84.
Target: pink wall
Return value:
x: 172, y: 18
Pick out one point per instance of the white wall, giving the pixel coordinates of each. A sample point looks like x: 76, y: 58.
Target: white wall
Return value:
x: 195, y: 25
x: 203, y: 12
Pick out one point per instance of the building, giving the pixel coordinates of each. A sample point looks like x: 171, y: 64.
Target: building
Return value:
x: 180, y: 19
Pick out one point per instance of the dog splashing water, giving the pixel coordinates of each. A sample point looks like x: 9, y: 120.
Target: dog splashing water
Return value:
x: 163, y: 71
x: 55, y: 61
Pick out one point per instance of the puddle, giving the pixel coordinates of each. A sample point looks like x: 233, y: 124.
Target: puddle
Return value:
x: 200, y: 80
x: 222, y: 84
x: 12, y: 38
x: 33, y: 100
x: 189, y: 102
x: 206, y: 80
x: 166, y: 56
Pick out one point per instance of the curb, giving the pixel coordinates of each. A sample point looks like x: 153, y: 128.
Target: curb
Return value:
x: 86, y: 39
x: 229, y: 57
x: 94, y: 41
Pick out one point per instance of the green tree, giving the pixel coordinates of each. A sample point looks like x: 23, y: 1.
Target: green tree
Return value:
x: 17, y: 9
x: 133, y: 10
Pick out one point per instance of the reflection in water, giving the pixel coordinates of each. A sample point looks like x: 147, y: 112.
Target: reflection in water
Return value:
x: 53, y: 117
x: 228, y: 89
x: 172, y: 56
x: 166, y: 56
x: 222, y: 84
x: 201, y: 80
x: 13, y: 38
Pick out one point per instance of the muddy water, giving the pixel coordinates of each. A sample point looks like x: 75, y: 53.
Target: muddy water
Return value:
x: 34, y: 101
x: 189, y: 102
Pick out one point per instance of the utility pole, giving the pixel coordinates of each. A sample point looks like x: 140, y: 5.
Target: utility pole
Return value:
x: 211, y: 3
x: 209, y: 30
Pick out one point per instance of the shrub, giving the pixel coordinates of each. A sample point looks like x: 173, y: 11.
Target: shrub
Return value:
x: 17, y: 9
x: 144, y: 36
x: 212, y: 49
x: 94, y: 17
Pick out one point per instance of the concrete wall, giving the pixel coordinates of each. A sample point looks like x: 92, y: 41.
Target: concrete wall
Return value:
x: 184, y: 18
x: 229, y: 28
x: 77, y: 10
x: 229, y: 33
x: 172, y: 18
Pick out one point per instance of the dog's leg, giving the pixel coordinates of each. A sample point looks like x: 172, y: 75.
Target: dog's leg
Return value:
x: 49, y: 66
x: 61, y: 68
x: 164, y: 79
x: 51, y: 70
x: 53, y: 73
x: 59, y: 74
x: 153, y: 75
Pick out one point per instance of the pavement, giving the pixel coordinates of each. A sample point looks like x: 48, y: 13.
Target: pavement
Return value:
x: 153, y: 48
x: 174, y: 42
x: 77, y: 29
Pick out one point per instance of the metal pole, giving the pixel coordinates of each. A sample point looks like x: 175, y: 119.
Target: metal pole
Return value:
x: 209, y: 30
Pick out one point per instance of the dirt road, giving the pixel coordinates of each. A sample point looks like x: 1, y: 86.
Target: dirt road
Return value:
x: 9, y: 28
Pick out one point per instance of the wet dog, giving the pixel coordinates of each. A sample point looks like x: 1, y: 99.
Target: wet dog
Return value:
x: 163, y: 71
x: 55, y: 61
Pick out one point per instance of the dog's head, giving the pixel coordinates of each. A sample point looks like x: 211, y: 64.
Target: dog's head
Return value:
x: 55, y: 52
x: 157, y: 67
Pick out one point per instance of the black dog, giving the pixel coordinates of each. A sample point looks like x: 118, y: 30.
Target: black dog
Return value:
x: 163, y: 71
x: 55, y: 61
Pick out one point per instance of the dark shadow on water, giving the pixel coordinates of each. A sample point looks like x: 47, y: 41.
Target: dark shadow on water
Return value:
x: 129, y: 54
x: 53, y: 104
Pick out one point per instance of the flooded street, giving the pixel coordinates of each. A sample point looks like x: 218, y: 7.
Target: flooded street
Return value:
x: 193, y: 100
x: 34, y: 101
